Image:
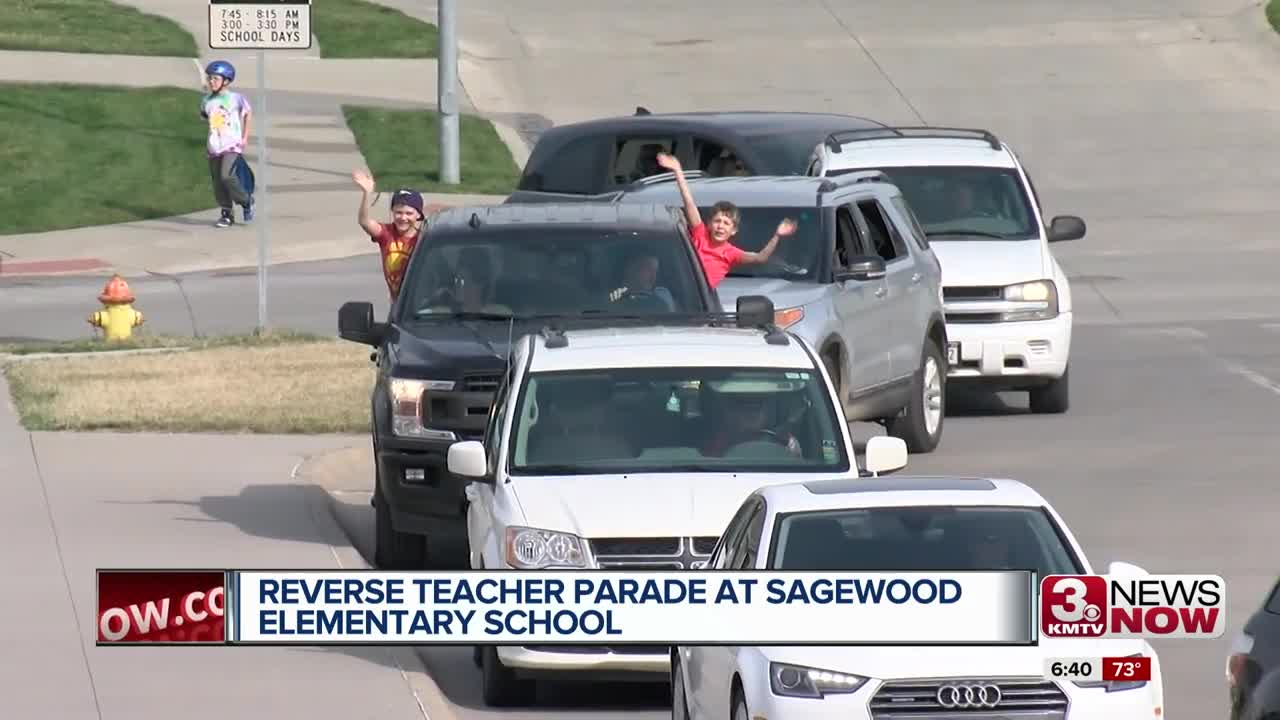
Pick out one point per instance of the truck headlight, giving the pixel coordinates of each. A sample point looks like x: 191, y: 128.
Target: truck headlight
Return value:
x: 535, y: 549
x: 409, y: 414
x: 806, y: 682
x: 1039, y: 296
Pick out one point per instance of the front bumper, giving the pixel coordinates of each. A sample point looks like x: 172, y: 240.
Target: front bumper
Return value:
x: 1033, y: 350
x: 411, y: 472
x: 1085, y: 704
x: 649, y: 665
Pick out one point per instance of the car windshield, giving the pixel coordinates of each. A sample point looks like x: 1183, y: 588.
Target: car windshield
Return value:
x: 946, y: 538
x: 685, y: 419
x: 965, y: 203
x: 796, y: 258
x: 558, y: 271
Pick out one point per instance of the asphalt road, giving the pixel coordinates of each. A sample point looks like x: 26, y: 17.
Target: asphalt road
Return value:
x: 1153, y: 119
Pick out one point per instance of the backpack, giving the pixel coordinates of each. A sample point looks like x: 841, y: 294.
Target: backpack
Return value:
x: 244, y: 174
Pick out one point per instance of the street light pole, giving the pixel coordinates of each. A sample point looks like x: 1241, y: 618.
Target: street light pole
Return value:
x: 447, y: 92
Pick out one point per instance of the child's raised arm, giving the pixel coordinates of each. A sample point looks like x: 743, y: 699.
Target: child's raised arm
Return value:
x: 691, y: 213
x: 785, y: 228
x: 370, y: 226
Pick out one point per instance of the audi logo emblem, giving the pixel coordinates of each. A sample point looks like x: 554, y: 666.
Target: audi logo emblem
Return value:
x: 968, y: 696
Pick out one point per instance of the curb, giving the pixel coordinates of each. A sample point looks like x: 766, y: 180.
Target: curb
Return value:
x: 24, y: 357
x: 433, y: 703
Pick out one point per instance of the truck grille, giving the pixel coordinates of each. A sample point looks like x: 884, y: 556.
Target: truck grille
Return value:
x: 481, y: 382
x: 652, y: 553
x: 973, y: 293
x: 1032, y: 699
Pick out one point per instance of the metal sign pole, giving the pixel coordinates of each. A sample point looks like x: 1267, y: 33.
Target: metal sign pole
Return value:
x: 262, y: 25
x: 262, y: 211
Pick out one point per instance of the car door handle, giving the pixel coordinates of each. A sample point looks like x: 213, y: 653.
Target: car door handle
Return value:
x: 880, y: 291
x: 916, y: 277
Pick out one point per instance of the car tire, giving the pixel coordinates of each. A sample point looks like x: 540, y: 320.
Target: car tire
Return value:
x: 832, y: 363
x: 679, y: 699
x: 920, y: 424
x: 1054, y: 398
x: 499, y: 684
x: 394, y: 550
x: 739, y: 706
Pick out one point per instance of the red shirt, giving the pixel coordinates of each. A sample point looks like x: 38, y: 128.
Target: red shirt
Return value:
x: 716, y: 259
x: 396, y: 250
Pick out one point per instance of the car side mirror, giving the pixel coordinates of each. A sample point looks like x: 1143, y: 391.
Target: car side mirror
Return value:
x: 355, y: 323
x: 1125, y: 569
x: 467, y: 459
x: 862, y: 268
x: 1066, y: 227
x: 885, y: 454
x: 754, y: 311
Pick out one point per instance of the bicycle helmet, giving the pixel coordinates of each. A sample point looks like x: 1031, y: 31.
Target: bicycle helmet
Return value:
x: 221, y: 67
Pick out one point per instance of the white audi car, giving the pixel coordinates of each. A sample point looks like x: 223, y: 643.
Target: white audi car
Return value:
x: 904, y: 524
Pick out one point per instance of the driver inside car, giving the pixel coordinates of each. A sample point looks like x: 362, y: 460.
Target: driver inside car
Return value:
x: 640, y: 280
x: 744, y: 417
x: 471, y: 286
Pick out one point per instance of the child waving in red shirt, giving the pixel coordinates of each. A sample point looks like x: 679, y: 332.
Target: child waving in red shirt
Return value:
x: 713, y: 245
x: 397, y: 240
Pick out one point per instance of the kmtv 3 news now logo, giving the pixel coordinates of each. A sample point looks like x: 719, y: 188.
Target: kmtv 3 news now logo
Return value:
x: 1146, y: 606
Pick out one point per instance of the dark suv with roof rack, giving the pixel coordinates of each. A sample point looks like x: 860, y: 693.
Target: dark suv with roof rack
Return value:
x: 603, y: 155
x: 479, y: 278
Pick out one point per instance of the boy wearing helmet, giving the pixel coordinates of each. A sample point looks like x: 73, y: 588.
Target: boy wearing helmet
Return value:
x: 396, y: 240
x: 228, y: 113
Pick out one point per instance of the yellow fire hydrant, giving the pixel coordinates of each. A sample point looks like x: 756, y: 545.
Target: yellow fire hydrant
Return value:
x: 117, y: 318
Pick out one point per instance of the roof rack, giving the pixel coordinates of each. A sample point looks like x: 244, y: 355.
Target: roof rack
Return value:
x: 753, y: 311
x: 836, y: 139
x: 663, y: 178
x: 831, y: 183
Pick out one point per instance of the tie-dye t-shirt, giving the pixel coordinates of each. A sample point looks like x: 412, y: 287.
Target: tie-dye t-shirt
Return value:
x: 225, y: 111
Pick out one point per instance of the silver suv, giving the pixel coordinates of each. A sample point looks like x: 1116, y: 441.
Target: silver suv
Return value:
x: 857, y: 280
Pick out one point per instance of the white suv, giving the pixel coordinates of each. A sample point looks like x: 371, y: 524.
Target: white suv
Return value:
x: 1007, y: 300
x: 904, y: 524
x: 631, y: 447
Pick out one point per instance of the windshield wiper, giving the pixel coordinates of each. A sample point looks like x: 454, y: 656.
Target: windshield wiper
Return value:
x: 463, y: 315
x: 974, y: 233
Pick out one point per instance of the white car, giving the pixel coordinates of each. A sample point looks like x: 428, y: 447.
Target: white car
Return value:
x: 631, y: 447
x: 904, y: 524
x: 1007, y: 300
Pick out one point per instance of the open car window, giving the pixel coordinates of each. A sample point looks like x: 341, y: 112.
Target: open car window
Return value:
x: 797, y: 257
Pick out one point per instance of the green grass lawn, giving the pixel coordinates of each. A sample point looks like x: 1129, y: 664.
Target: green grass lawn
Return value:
x: 402, y: 149
x: 89, y: 26
x: 1273, y: 14
x: 359, y: 29
x: 77, y: 156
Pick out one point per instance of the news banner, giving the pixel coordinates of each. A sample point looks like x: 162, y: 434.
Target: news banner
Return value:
x: 583, y: 607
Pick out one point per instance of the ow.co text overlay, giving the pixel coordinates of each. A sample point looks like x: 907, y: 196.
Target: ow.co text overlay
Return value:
x: 161, y: 606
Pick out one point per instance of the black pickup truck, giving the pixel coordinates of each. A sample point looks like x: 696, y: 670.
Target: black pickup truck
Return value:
x: 479, y: 278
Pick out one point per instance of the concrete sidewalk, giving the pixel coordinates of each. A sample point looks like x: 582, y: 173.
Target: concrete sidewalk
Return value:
x: 310, y: 211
